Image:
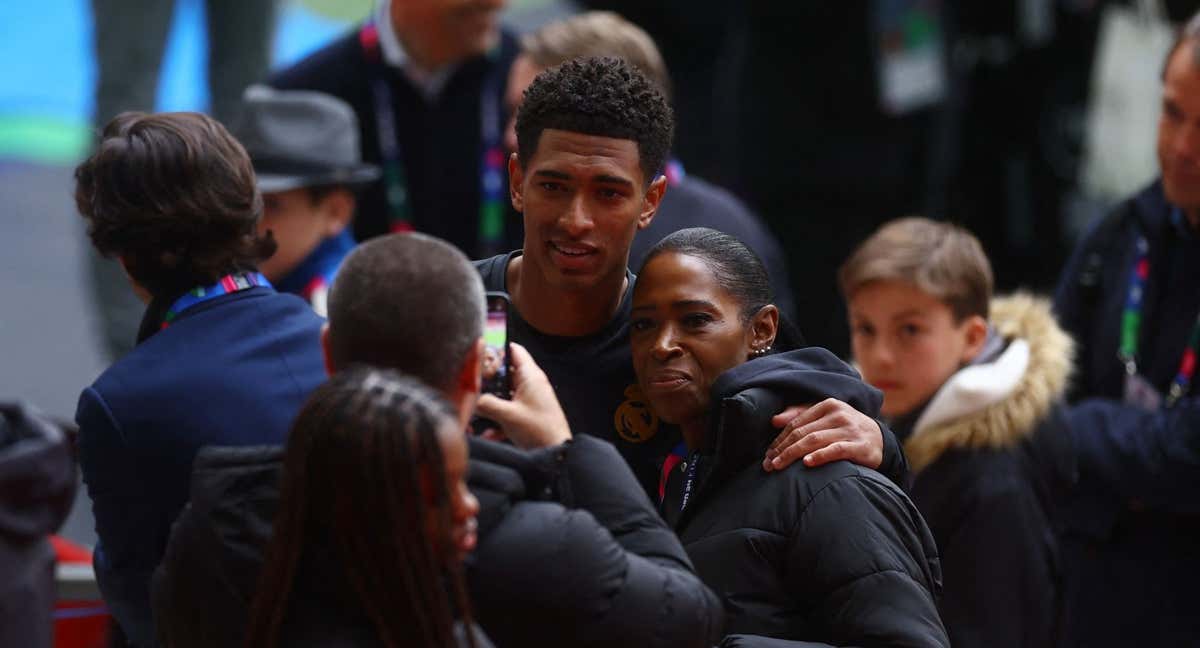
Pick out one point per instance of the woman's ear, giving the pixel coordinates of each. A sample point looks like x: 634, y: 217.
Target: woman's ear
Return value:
x: 764, y: 325
x: 975, y: 330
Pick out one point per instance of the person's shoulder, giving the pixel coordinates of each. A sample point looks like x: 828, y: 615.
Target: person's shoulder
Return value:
x: 325, y: 69
x: 493, y: 270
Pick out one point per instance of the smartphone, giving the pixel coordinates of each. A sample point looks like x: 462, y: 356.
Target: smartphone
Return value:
x: 497, y: 363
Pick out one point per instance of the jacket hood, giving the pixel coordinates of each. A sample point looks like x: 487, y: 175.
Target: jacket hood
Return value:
x: 998, y: 403
x: 37, y: 474
x: 747, y: 396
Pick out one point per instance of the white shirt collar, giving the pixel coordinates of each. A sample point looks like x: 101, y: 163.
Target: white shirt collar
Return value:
x: 430, y: 84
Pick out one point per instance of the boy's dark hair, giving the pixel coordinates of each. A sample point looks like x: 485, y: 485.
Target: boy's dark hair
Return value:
x: 173, y: 195
x: 605, y: 97
x: 409, y: 302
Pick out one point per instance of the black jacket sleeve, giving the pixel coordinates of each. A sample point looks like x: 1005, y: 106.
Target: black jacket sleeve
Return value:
x: 864, y: 563
x: 894, y: 464
x: 599, y: 569
x: 596, y: 479
x: 551, y: 576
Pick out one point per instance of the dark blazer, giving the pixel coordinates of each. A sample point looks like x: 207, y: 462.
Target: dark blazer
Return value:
x: 1133, y: 522
x: 231, y: 371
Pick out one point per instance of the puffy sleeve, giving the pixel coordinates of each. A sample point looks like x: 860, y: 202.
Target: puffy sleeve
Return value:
x: 864, y: 563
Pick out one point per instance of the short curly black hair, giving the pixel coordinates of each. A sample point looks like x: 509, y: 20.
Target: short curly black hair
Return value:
x: 173, y: 195
x: 606, y: 97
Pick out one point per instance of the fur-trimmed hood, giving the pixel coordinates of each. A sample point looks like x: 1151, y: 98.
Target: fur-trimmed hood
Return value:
x: 998, y: 403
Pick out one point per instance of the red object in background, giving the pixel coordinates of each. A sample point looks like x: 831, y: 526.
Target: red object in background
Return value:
x: 82, y: 623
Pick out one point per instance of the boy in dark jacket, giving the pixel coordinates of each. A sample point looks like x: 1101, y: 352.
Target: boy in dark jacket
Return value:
x: 971, y: 385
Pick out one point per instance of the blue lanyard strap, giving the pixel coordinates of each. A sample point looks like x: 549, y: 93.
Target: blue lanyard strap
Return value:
x: 226, y: 285
x: 492, y: 159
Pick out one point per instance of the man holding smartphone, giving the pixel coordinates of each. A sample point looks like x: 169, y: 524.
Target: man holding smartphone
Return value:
x: 592, y: 138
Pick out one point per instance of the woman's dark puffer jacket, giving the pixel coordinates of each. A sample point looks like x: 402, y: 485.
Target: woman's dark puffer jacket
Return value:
x: 835, y: 555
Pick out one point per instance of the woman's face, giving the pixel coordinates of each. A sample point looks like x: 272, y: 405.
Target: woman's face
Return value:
x: 686, y: 331
x: 459, y: 539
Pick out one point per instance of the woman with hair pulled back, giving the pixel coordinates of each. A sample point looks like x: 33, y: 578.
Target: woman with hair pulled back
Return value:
x: 833, y: 555
x: 374, y: 521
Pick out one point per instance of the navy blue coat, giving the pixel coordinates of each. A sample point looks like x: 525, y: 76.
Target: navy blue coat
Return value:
x: 1132, y: 524
x: 231, y: 371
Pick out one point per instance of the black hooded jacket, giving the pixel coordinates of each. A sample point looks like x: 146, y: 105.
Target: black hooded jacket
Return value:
x: 831, y: 555
x: 37, y: 487
x: 570, y: 552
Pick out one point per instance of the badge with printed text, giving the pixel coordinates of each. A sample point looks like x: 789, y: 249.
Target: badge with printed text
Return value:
x: 1140, y: 393
x: 635, y: 422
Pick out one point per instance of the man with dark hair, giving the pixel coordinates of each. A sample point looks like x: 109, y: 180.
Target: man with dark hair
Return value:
x: 689, y: 201
x: 1130, y: 297
x: 426, y: 79
x: 570, y: 552
x: 221, y: 357
x: 307, y: 159
x: 592, y: 136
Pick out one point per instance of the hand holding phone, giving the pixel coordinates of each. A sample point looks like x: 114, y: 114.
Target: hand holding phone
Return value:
x: 533, y: 418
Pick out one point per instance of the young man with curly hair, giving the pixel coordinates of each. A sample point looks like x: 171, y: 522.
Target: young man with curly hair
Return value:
x: 593, y: 135
x: 221, y: 358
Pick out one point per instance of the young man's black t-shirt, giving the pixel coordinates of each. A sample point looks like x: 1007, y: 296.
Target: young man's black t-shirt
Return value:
x: 594, y: 380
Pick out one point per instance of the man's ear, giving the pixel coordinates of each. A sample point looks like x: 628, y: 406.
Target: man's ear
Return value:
x: 516, y: 175
x: 764, y: 325
x: 326, y: 351
x: 337, y: 209
x: 976, y: 332
x: 654, y: 196
x: 470, y: 375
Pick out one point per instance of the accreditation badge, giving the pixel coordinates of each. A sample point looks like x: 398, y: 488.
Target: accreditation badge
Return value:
x: 911, y: 61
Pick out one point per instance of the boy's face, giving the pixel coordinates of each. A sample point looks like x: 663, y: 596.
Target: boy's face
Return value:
x: 300, y: 224
x: 907, y: 343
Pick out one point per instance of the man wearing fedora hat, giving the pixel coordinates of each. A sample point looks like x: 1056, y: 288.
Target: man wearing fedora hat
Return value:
x: 305, y: 149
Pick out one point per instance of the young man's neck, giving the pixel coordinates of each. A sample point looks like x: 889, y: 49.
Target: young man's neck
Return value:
x: 1193, y: 218
x: 567, y: 313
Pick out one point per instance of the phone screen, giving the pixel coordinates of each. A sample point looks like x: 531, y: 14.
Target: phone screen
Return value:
x: 497, y: 371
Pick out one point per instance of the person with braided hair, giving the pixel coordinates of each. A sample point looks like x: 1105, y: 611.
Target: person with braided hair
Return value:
x: 377, y: 560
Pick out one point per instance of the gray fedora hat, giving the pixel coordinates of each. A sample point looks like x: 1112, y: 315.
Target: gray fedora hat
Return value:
x: 300, y: 138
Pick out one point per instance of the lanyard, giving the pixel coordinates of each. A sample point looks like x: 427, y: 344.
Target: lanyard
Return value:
x: 689, y: 479
x: 678, y: 454
x: 226, y: 285
x: 491, y: 164
x: 1131, y: 325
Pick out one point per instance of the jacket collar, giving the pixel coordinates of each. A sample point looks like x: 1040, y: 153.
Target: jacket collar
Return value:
x: 745, y: 398
x: 998, y: 403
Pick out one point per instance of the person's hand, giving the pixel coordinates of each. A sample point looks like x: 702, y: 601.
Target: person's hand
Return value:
x: 533, y: 418
x: 825, y: 432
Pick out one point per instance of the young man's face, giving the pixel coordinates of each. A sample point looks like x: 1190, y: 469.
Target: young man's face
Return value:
x: 299, y: 224
x: 1179, y: 130
x: 584, y: 197
x: 907, y: 343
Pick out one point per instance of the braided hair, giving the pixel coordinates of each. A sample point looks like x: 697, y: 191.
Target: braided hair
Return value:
x: 357, y: 457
